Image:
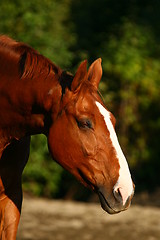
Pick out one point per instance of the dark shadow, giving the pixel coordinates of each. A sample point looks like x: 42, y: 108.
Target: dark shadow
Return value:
x: 12, y: 164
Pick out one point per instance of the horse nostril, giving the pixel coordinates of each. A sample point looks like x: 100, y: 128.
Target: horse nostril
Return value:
x: 117, y: 195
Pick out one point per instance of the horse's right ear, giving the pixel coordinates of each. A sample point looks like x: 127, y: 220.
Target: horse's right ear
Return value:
x: 79, y: 76
x: 95, y: 72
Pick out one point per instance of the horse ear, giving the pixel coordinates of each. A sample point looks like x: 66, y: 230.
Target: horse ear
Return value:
x: 95, y: 72
x: 79, y: 76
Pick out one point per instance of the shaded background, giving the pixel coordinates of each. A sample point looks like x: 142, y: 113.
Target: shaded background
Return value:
x: 126, y: 35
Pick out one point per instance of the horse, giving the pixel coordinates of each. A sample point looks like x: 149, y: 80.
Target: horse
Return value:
x: 38, y: 97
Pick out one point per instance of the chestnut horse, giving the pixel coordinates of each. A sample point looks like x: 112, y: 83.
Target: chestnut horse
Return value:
x: 36, y: 96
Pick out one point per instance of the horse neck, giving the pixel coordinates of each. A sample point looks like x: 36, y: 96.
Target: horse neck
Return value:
x: 28, y: 105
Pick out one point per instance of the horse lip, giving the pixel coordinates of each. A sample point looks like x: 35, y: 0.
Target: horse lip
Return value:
x: 105, y: 205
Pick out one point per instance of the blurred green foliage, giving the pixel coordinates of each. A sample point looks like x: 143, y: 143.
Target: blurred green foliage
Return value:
x: 43, y: 25
x: 42, y: 176
x: 126, y: 34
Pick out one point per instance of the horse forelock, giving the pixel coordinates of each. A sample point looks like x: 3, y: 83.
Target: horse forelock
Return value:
x: 65, y: 81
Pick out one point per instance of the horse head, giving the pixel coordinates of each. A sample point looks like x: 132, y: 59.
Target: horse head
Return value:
x: 83, y: 140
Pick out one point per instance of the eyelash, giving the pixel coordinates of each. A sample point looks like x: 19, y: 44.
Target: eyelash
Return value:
x: 84, y: 124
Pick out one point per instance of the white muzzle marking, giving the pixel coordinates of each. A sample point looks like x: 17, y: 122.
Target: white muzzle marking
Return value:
x: 124, y: 184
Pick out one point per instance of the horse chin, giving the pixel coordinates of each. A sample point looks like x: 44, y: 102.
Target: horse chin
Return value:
x: 105, y: 205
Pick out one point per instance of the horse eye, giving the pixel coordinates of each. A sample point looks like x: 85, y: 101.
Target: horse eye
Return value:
x: 85, y: 124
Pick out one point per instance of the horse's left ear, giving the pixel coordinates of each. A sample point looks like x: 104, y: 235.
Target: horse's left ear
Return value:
x: 95, y: 72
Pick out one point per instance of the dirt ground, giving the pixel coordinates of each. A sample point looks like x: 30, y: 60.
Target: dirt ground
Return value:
x: 62, y: 220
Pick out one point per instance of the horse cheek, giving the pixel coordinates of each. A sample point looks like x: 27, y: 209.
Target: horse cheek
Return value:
x: 89, y: 143
x: 62, y: 144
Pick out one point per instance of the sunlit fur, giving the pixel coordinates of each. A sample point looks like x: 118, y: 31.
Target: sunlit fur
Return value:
x: 36, y: 96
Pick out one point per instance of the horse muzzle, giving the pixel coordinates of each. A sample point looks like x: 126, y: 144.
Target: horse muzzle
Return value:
x: 114, y: 202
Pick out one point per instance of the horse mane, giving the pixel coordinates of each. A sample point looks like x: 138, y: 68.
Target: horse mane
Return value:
x: 19, y: 58
x: 30, y: 64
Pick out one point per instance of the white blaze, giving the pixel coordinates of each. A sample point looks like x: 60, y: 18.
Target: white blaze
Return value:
x: 124, y: 183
